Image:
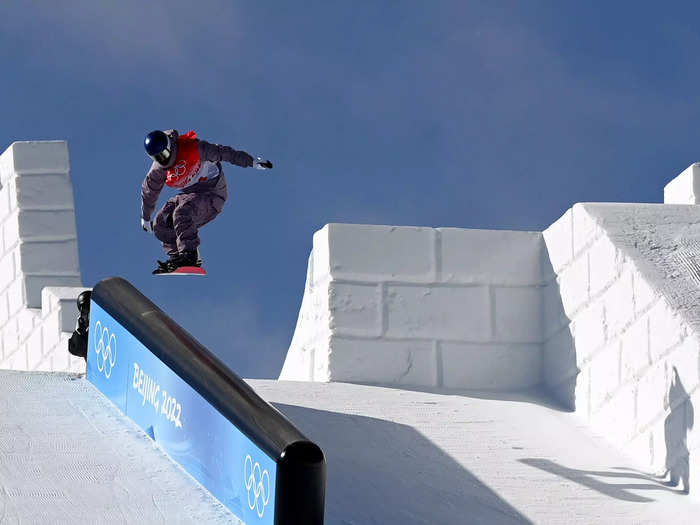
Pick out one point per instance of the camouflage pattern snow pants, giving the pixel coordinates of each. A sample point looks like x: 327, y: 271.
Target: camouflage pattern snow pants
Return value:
x: 176, y: 224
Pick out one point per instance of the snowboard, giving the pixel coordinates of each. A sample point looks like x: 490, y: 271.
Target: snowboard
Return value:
x: 185, y: 270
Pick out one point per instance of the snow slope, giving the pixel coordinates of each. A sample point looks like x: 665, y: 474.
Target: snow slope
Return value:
x: 600, y: 308
x: 394, y: 457
x: 67, y: 455
x: 399, y: 456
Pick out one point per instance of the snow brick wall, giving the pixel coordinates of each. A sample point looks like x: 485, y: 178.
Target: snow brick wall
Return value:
x: 421, y: 307
x: 39, y: 269
x: 602, y: 309
x: 626, y: 353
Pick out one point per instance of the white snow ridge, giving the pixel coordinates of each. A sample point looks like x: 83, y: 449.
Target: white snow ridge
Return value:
x: 451, y: 376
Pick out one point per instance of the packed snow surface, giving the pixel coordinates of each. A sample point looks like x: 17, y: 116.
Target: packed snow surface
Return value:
x: 67, y: 455
x: 409, y: 457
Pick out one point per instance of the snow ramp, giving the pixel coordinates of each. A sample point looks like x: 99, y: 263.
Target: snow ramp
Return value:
x: 399, y: 456
x: 601, y: 310
x: 395, y: 457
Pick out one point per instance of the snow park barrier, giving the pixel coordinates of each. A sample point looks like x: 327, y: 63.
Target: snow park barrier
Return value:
x: 206, y: 418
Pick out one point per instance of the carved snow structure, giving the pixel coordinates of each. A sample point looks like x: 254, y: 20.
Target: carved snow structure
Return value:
x: 602, y: 309
x: 39, y: 268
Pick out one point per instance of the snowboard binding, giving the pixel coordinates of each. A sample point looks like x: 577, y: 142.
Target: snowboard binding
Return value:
x: 183, y: 263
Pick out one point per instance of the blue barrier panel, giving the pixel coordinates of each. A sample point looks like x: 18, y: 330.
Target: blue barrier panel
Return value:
x: 247, y: 454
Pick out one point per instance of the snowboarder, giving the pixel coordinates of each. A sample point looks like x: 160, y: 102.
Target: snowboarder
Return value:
x: 192, y: 166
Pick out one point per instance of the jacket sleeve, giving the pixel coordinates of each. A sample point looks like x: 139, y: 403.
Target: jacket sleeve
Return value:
x: 150, y: 190
x: 216, y: 153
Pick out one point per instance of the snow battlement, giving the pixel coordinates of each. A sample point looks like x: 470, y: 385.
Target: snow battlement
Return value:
x: 600, y: 309
x: 39, y: 267
x: 422, y: 307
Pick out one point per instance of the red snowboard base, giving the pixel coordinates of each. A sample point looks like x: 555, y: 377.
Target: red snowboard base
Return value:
x: 186, y: 270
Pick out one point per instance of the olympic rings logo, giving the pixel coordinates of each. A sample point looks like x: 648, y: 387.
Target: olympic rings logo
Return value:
x: 180, y: 168
x: 257, y: 483
x: 105, y: 348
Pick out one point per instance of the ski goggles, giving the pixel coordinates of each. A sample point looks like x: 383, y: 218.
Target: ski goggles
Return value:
x: 163, y: 157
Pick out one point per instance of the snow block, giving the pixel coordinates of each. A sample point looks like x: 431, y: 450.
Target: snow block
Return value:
x: 450, y: 313
x: 393, y: 362
x: 491, y: 367
x: 665, y: 330
x: 635, y: 356
x: 49, y: 257
x: 39, y: 157
x: 505, y: 257
x: 62, y: 299
x: 685, y: 188
x: 46, y: 225
x: 356, y: 309
x: 619, y: 304
x: 34, y: 286
x: 517, y: 314
x: 362, y: 252
x: 605, y: 374
x: 45, y: 191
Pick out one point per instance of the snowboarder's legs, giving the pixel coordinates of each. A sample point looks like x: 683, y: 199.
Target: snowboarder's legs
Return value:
x: 177, y: 224
x: 163, y: 227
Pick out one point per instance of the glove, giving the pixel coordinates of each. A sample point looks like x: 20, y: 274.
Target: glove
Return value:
x: 260, y: 164
x: 147, y: 226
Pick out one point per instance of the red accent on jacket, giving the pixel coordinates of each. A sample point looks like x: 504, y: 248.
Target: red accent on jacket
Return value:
x: 187, y: 163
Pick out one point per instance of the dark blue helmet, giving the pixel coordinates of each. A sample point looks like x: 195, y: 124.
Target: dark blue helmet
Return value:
x: 157, y: 146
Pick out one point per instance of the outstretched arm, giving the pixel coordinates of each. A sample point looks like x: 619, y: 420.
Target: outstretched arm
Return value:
x: 217, y: 153
x: 150, y: 190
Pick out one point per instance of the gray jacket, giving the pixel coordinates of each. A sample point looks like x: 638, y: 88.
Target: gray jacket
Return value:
x: 155, y: 178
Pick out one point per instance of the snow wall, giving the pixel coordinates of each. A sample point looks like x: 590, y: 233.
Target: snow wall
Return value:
x: 39, y: 268
x: 421, y: 307
x: 601, y: 309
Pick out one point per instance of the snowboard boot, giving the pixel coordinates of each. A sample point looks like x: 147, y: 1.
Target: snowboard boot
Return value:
x: 178, y: 260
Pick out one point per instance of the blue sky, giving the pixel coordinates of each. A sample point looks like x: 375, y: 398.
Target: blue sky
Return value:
x: 474, y: 114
